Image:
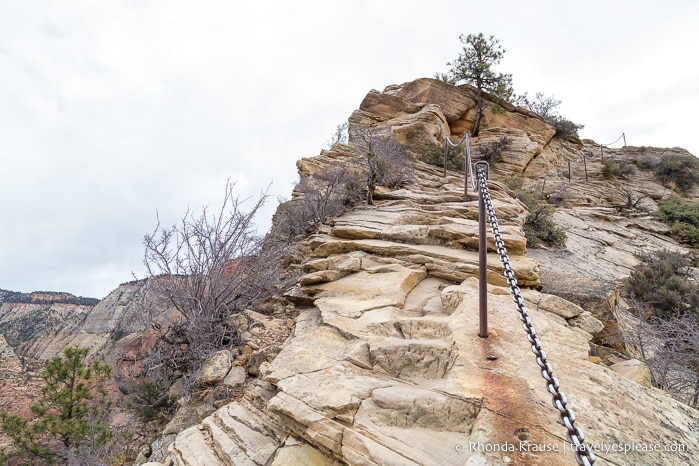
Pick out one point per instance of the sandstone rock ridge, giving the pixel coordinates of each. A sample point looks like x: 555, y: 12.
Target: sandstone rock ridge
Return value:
x: 384, y: 365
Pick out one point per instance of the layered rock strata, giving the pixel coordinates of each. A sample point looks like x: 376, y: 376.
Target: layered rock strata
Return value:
x: 385, y: 366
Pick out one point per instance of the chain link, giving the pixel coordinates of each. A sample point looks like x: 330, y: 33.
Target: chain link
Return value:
x: 583, y: 455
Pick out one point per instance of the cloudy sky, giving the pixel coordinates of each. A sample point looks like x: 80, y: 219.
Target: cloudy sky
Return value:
x: 113, y: 109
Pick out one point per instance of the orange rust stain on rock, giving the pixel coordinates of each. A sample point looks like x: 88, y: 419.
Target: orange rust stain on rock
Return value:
x: 507, y: 397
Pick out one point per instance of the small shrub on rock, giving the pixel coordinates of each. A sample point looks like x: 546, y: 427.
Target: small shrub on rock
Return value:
x: 683, y: 217
x: 565, y: 129
x: 435, y: 156
x: 617, y: 169
x: 150, y: 399
x: 514, y: 182
x: 494, y: 150
x: 327, y: 194
x: 539, y: 227
x: 678, y: 170
x: 664, y: 280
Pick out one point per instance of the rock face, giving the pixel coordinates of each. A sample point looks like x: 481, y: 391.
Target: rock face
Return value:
x: 117, y: 329
x: 25, y: 316
x: 18, y: 382
x: 385, y: 365
x: 604, y: 233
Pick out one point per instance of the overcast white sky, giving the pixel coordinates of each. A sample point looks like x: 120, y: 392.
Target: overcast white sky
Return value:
x: 112, y: 109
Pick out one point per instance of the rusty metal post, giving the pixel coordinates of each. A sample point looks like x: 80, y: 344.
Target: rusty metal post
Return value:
x: 467, y: 167
x: 482, y: 267
x: 446, y: 149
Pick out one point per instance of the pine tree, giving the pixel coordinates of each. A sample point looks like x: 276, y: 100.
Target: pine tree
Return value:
x: 70, y: 417
x: 475, y: 66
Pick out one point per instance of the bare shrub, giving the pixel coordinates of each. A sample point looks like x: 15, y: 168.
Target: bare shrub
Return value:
x: 674, y: 364
x: 387, y: 164
x: 327, y: 194
x: 339, y: 136
x: 559, y: 196
x: 547, y: 107
x: 612, y: 168
x: 633, y: 202
x: 210, y: 267
x: 543, y: 105
x: 493, y: 151
x: 669, y: 347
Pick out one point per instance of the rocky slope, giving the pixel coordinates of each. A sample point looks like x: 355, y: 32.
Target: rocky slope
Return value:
x: 18, y: 381
x: 25, y: 316
x: 384, y: 366
x: 38, y: 326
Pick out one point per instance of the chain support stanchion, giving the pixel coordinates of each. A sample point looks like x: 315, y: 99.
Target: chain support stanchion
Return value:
x: 583, y: 455
x: 600, y: 151
x: 467, y: 171
x: 468, y: 176
x: 482, y: 254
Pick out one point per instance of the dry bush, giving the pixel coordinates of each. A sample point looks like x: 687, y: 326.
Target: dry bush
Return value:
x: 612, y: 168
x: 547, y: 107
x: 328, y: 194
x: 669, y: 347
x: 493, y: 151
x: 387, y: 163
x: 210, y: 267
x: 339, y: 136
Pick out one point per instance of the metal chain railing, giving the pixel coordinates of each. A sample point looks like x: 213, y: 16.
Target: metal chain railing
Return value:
x: 623, y: 136
x: 465, y: 142
x: 583, y: 455
x: 600, y: 151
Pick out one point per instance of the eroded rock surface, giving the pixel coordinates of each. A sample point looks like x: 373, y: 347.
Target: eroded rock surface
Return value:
x: 385, y: 365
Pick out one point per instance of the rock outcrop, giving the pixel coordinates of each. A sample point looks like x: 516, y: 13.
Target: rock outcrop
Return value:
x: 26, y: 316
x: 376, y: 358
x: 385, y: 365
x: 19, y: 382
x: 117, y: 329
